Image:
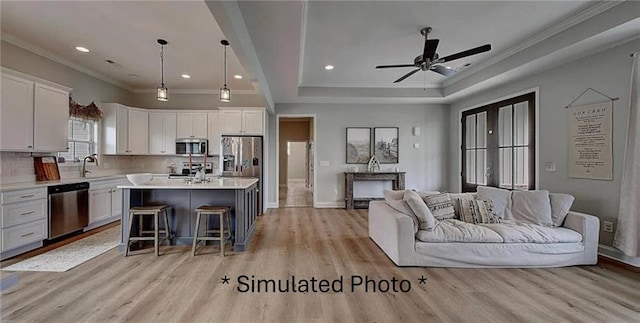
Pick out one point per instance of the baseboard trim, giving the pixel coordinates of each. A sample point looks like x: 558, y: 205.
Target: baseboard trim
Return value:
x: 329, y: 205
x: 617, y: 255
x: 272, y: 205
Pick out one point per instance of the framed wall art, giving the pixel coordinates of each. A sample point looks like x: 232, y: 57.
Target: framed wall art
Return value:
x: 358, y: 145
x: 385, y: 144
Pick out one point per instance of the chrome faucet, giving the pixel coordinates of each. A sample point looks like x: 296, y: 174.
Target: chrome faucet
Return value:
x: 93, y: 159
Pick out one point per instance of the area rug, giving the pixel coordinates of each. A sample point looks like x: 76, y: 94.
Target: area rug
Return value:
x: 71, y: 255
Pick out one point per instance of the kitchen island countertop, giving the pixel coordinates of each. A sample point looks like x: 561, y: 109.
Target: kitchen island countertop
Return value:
x: 179, y: 183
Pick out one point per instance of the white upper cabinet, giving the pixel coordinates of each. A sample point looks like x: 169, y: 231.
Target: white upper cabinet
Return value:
x: 138, y: 132
x: 125, y: 131
x: 162, y: 133
x: 214, y: 132
x: 191, y: 125
x: 35, y: 114
x: 252, y: 122
x: 243, y: 122
x: 16, y: 133
x: 232, y: 122
x: 51, y: 119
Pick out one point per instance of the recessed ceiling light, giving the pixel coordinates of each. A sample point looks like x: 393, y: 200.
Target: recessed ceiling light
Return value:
x: 82, y: 49
x: 186, y: 76
x: 239, y: 77
x: 328, y: 67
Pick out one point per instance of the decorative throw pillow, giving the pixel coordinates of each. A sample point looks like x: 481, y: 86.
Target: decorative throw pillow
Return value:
x: 501, y: 199
x: 478, y: 211
x: 426, y: 220
x: 532, y: 206
x: 560, y: 206
x: 456, y: 198
x: 395, y: 199
x: 441, y: 206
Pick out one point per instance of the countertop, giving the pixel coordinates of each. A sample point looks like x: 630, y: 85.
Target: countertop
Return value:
x: 180, y: 184
x: 26, y: 185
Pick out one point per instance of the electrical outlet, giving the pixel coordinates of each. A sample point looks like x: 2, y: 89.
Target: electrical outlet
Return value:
x: 607, y: 226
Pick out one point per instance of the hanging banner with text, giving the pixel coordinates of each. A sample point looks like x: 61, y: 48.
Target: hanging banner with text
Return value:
x: 590, y: 140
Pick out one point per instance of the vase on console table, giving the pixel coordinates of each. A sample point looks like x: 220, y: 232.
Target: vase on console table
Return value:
x: 374, y: 164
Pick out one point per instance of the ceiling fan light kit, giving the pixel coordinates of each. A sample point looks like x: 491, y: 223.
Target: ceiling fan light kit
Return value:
x: 429, y: 60
x: 163, y: 92
x: 225, y: 92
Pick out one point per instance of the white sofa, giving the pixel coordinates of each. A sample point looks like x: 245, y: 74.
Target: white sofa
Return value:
x: 575, y: 243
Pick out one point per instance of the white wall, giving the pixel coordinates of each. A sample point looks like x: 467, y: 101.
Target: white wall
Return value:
x: 297, y: 169
x: 608, y: 72
x: 426, y: 166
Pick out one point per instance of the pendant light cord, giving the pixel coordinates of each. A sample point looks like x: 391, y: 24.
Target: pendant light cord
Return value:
x: 162, y: 64
x: 225, y: 65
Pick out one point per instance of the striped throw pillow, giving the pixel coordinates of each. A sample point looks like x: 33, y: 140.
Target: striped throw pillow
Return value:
x: 478, y: 211
x: 441, y: 206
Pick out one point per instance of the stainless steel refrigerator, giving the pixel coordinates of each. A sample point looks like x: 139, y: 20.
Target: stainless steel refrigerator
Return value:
x: 242, y: 157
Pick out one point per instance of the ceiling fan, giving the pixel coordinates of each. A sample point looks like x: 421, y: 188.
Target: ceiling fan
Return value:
x: 429, y: 60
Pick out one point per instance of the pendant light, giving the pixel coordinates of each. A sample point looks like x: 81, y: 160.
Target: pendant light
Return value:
x: 162, y: 90
x: 225, y: 92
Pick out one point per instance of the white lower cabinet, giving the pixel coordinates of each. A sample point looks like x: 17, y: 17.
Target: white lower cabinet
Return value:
x: 23, y: 221
x: 105, y: 202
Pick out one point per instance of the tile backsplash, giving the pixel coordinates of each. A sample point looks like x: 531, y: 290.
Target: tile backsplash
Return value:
x: 18, y: 167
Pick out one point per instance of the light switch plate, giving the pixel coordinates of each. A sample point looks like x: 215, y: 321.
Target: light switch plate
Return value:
x: 550, y: 166
x: 416, y: 145
x: 324, y: 163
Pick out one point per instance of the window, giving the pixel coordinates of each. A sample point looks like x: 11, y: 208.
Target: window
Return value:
x: 83, y: 135
x: 498, y: 145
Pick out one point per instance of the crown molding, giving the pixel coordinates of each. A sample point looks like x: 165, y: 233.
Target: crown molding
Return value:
x: 565, y: 24
x: 197, y: 91
x: 47, y: 54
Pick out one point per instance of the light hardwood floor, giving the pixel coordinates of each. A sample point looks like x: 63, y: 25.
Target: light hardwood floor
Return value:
x: 296, y: 194
x: 177, y: 287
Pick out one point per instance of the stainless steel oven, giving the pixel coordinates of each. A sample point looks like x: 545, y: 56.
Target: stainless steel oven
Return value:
x: 68, y: 208
x: 191, y: 147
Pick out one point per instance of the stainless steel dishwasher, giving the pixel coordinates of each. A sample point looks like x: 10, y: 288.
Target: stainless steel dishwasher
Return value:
x: 68, y: 208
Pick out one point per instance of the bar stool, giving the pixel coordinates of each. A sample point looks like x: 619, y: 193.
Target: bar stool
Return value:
x: 223, y: 212
x: 154, y: 211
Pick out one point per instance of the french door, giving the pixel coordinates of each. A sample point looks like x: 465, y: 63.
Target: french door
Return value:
x: 498, y: 145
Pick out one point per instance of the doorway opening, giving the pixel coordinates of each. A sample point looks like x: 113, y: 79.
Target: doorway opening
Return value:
x: 295, y: 161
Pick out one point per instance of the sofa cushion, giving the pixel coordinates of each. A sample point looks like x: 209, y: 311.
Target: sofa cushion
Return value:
x: 531, y: 206
x: 477, y: 211
x: 501, y: 199
x: 560, y: 206
x: 441, y: 206
x: 426, y: 220
x: 519, y: 232
x: 456, y: 198
x: 458, y: 231
x: 395, y: 199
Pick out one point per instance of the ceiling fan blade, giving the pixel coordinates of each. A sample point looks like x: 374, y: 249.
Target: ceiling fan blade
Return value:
x: 468, y: 52
x: 406, y: 75
x: 395, y: 66
x: 430, y: 46
x: 446, y: 71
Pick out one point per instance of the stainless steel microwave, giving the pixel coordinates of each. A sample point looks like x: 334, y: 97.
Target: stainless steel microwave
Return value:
x: 191, y: 146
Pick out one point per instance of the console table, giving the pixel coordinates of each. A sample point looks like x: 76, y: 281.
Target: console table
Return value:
x: 397, y: 179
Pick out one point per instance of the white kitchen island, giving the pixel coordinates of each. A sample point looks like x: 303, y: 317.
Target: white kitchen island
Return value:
x: 183, y: 198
